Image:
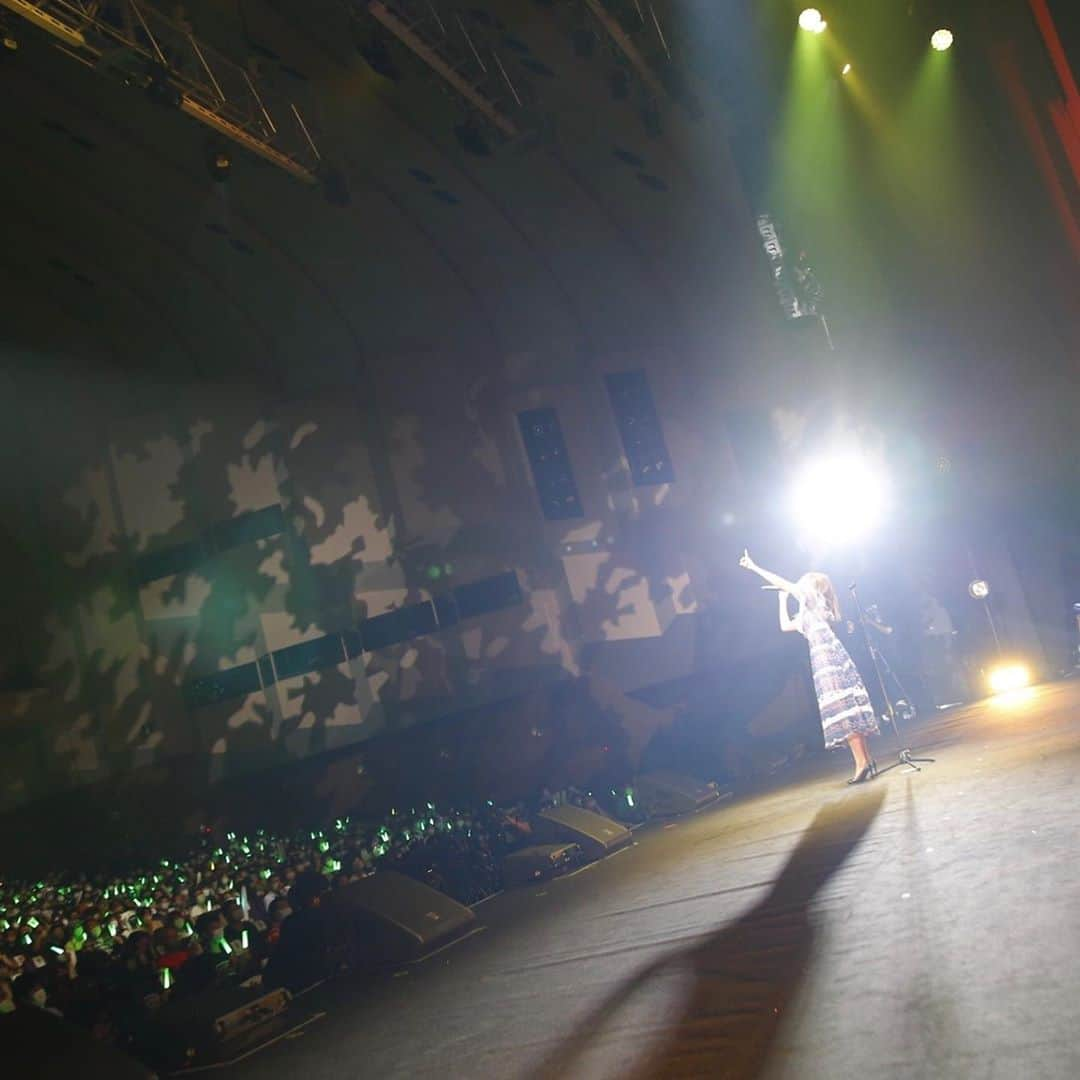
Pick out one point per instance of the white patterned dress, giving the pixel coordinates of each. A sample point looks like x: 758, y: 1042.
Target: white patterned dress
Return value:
x: 843, y: 701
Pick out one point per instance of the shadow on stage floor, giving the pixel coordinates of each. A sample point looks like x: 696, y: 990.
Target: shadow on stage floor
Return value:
x: 739, y: 978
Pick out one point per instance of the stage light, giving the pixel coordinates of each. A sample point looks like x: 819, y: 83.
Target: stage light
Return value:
x: 941, y: 39
x: 217, y: 158
x: 811, y: 19
x: 839, y: 499
x: 846, y: 69
x: 11, y: 42
x: 978, y: 590
x: 1007, y: 678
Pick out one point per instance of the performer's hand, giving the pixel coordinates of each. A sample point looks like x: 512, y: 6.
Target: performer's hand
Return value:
x: 745, y: 561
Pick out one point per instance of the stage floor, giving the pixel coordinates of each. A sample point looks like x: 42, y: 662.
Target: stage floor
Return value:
x: 924, y: 925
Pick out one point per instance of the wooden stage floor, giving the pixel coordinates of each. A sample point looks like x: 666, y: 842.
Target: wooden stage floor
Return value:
x: 924, y: 925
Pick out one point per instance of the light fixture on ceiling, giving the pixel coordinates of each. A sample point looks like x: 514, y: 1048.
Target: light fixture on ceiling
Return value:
x: 941, y: 40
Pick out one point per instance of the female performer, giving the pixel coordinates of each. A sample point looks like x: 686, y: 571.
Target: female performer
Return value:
x: 846, y: 713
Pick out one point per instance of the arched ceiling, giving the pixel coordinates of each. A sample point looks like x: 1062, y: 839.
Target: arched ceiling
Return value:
x: 595, y: 232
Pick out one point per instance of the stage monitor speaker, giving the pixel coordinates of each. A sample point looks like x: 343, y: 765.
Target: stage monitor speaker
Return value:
x: 667, y: 794
x: 540, y: 862
x: 390, y: 918
x: 214, y: 1026
x: 598, y: 835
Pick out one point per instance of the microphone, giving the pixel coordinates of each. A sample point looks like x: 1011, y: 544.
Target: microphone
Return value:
x: 773, y: 588
x: 851, y: 587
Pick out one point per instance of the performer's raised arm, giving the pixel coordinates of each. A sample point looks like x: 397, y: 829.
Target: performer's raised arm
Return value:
x: 773, y: 579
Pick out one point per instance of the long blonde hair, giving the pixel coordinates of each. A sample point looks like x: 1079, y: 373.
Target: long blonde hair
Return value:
x: 815, y: 583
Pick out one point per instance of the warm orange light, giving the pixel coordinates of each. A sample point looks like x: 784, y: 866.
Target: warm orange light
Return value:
x: 1014, y: 699
x: 1007, y: 678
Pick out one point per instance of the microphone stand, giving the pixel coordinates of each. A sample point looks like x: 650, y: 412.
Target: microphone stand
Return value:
x: 903, y: 756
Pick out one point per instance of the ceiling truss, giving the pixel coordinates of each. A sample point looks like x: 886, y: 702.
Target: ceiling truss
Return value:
x: 135, y: 43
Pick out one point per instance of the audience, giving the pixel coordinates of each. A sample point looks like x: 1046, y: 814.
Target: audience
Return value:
x: 107, y: 952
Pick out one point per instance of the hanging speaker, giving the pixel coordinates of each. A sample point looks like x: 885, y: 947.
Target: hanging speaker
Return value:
x: 549, y: 461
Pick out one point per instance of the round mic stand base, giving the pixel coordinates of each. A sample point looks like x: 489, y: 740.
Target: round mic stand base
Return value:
x: 904, y: 758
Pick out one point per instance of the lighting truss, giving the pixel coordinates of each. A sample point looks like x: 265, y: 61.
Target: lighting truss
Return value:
x: 442, y: 39
x: 623, y: 41
x: 142, y: 47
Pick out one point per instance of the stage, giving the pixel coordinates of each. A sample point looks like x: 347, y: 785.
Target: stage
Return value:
x: 922, y: 925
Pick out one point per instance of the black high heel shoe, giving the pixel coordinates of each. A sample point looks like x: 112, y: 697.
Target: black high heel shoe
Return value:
x: 864, y: 774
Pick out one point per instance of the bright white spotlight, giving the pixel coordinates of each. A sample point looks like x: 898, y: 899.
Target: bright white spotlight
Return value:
x: 1008, y: 678
x: 941, y: 39
x: 810, y: 19
x: 978, y: 589
x: 839, y: 499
